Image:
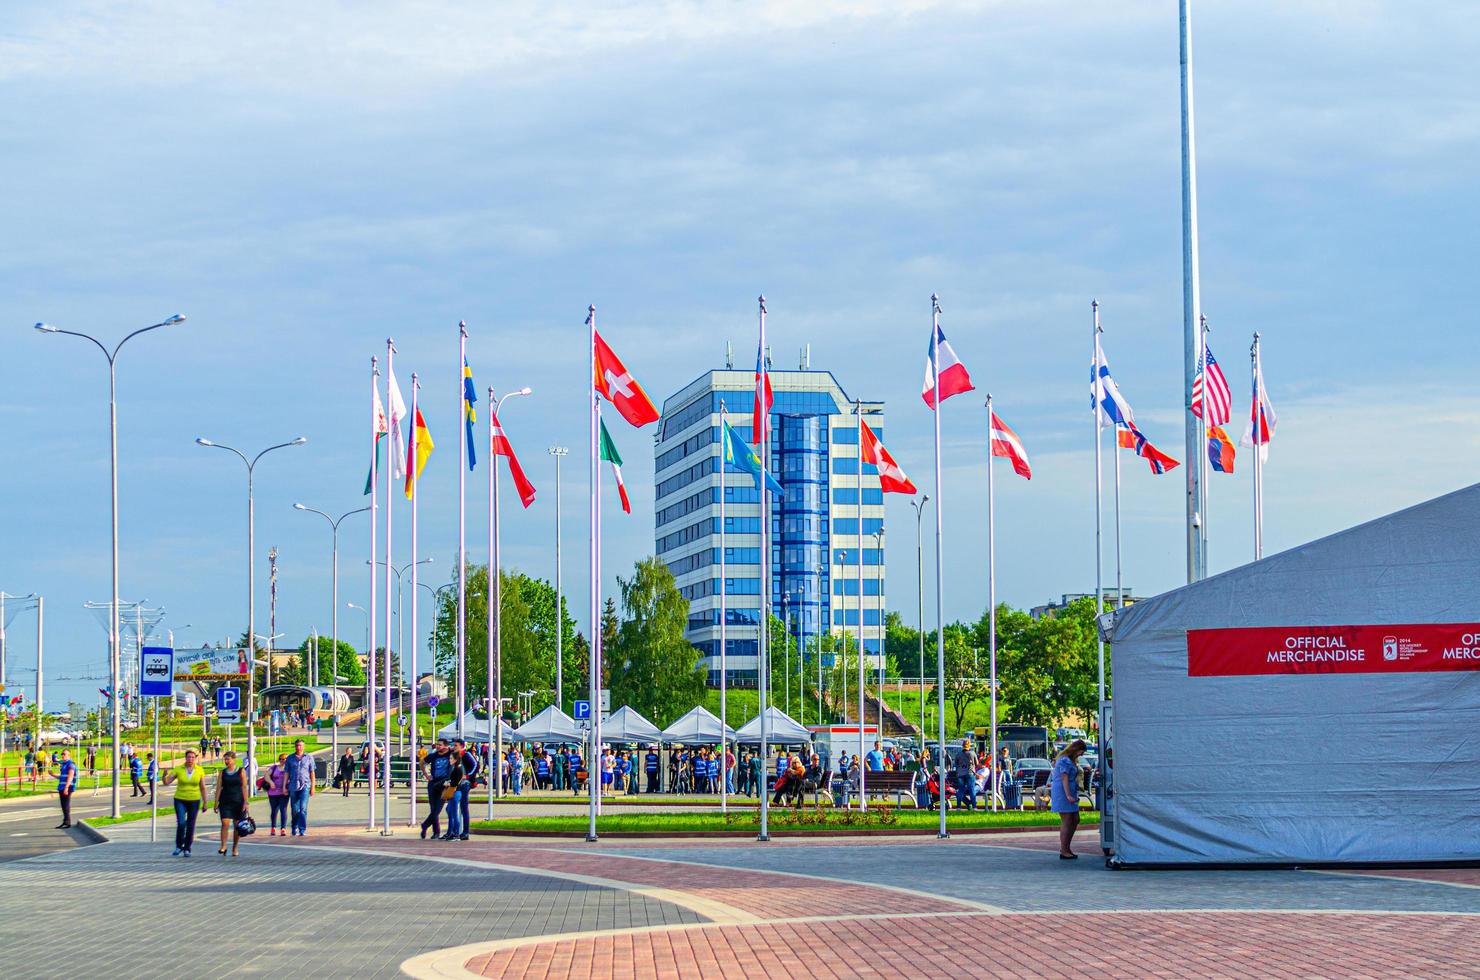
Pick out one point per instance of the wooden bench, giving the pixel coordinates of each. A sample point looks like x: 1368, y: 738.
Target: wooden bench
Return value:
x: 887, y: 782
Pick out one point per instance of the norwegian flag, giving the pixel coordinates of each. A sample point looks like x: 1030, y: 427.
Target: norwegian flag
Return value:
x: 1261, y: 416
x: 953, y: 377
x: 1131, y: 438
x: 498, y: 445
x: 891, y: 477
x: 1005, y: 443
x: 1212, y: 385
x: 760, y: 418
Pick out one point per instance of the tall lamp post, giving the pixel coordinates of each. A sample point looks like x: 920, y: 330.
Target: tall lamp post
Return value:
x: 365, y: 707
x: 495, y: 665
x: 334, y: 605
x: 401, y: 638
x: 919, y: 507
x: 558, y: 452
x: 251, y: 465
x: 113, y: 633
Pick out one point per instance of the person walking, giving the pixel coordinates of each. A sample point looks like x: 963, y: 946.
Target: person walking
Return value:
x: 66, y: 783
x: 345, y: 776
x: 1064, y: 796
x: 92, y: 760
x: 152, y: 770
x: 275, y: 782
x: 435, y: 769
x: 300, y: 787
x: 231, y: 801
x: 135, y: 770
x: 966, y: 776
x: 516, y: 770
x: 190, y: 778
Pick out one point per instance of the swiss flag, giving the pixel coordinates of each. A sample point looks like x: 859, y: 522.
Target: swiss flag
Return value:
x: 891, y: 477
x: 616, y: 384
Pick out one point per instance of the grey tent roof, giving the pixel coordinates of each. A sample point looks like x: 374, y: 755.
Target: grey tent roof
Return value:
x: 781, y: 729
x: 550, y: 725
x: 698, y: 727
x: 475, y: 729
x: 1304, y: 767
x: 626, y: 725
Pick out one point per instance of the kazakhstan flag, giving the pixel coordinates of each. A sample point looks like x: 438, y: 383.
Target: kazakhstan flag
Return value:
x: 740, y: 456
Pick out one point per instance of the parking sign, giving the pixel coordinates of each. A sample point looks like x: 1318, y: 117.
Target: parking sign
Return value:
x: 157, y: 680
x: 583, y: 710
x: 228, y: 699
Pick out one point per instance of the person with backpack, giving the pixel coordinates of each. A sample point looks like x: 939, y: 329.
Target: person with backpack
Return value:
x: 135, y: 770
x: 436, y: 769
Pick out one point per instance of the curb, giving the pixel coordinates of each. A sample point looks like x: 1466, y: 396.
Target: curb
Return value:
x: 93, y: 834
x: 830, y: 832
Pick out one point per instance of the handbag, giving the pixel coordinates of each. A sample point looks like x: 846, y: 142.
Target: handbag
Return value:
x: 448, y: 792
x: 246, y: 826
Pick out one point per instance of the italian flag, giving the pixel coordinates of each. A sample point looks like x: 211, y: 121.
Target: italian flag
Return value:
x: 610, y: 454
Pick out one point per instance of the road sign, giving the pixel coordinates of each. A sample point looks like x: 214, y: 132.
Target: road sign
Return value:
x: 583, y: 710
x: 228, y: 699
x: 209, y: 678
x: 228, y: 717
x: 401, y: 720
x: 433, y: 701
x: 606, y: 700
x: 159, y: 668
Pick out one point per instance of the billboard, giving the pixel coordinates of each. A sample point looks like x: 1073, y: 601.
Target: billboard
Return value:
x: 211, y: 664
x: 1333, y: 649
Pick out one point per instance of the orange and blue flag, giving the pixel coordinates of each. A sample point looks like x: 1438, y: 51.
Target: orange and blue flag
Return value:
x: 1220, y: 450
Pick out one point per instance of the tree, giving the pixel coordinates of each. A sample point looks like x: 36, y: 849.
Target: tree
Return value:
x: 609, y: 629
x: 964, y: 684
x: 901, y: 647
x: 653, y: 667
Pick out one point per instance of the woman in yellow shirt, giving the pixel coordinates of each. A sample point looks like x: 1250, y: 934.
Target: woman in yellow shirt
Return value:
x: 188, y: 794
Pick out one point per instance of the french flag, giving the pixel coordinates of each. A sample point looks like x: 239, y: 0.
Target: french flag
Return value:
x: 953, y: 377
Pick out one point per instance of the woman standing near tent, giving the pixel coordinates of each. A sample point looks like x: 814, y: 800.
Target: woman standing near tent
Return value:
x: 1064, y: 796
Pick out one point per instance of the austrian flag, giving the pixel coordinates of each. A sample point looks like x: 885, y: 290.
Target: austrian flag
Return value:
x: 891, y: 477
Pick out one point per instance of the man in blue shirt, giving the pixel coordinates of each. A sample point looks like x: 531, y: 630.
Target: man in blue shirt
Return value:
x: 435, y: 767
x: 135, y: 770
x: 300, y: 787
x: 66, y: 783
x: 153, y: 777
x: 874, y: 761
x: 650, y: 762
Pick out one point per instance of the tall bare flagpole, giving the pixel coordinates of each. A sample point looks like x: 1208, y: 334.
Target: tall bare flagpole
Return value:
x: 763, y: 650
x: 1094, y: 390
x: 415, y: 637
x: 385, y: 772
x: 462, y: 530
x: 1256, y: 368
x: 593, y: 751
x: 862, y: 750
x: 940, y: 636
x: 370, y: 774
x: 1197, y: 561
x: 992, y: 772
x: 724, y: 742
x: 495, y: 675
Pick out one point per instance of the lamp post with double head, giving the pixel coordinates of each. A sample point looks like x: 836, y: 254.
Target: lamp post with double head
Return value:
x: 113, y: 629
x: 251, y: 465
x: 334, y: 616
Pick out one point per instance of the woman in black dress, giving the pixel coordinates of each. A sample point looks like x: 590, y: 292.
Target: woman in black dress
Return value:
x: 231, y: 801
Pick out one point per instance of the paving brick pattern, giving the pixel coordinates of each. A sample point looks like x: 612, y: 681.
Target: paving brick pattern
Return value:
x: 1065, y: 945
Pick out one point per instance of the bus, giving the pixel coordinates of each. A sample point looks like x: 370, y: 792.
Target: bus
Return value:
x: 1021, y: 741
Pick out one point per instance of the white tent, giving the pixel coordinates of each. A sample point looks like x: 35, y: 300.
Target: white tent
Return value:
x: 550, y: 725
x: 698, y: 727
x: 1253, y: 723
x: 626, y: 725
x: 781, y: 729
x: 474, y: 729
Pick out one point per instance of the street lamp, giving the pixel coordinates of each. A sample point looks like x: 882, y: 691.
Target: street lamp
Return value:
x: 558, y: 452
x: 919, y: 506
x: 251, y: 465
x: 334, y: 605
x: 113, y: 633
x: 495, y: 666
x: 368, y: 680
x: 400, y: 634
x: 879, y: 544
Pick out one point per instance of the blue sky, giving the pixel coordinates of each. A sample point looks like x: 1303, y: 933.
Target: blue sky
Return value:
x: 304, y: 182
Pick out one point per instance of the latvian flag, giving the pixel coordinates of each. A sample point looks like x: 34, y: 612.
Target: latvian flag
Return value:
x: 891, y: 477
x: 1006, y: 444
x: 953, y: 377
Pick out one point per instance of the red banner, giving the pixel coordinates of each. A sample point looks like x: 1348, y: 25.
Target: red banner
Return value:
x: 1333, y: 649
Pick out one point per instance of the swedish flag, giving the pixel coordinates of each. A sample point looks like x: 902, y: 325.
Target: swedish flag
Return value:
x: 470, y: 412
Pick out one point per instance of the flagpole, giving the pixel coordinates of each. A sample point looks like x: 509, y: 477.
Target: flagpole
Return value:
x: 1197, y: 563
x: 1202, y: 438
x: 992, y: 773
x: 494, y: 674
x: 415, y: 641
x: 1094, y: 390
x: 385, y: 788
x: 593, y: 667
x: 862, y: 769
x: 763, y: 649
x: 370, y: 773
x: 940, y: 636
x: 1256, y: 368
x: 462, y: 525
x: 724, y: 774
x: 1115, y: 452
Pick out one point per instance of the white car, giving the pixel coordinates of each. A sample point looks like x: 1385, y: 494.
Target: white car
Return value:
x: 57, y: 736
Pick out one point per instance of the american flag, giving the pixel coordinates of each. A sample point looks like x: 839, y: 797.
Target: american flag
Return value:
x: 1219, y: 396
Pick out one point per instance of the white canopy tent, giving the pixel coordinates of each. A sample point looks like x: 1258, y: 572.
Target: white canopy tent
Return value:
x: 474, y: 729
x: 626, y: 725
x: 550, y: 725
x: 1313, y: 740
x: 781, y: 729
x: 698, y: 727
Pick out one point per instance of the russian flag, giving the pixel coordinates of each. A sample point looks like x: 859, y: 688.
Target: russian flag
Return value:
x: 953, y: 377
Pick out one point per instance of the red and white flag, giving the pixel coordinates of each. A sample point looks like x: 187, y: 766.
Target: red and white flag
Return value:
x: 953, y: 377
x: 891, y: 477
x: 1211, y: 386
x: 761, y: 417
x: 1005, y: 443
x: 1262, y: 419
x: 499, y: 446
x: 618, y: 386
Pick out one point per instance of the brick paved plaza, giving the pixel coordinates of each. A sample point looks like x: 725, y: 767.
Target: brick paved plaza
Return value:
x: 344, y: 902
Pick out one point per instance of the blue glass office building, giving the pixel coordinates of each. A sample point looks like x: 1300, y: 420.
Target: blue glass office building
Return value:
x: 814, y: 526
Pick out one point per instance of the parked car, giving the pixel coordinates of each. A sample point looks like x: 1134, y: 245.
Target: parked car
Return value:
x: 1031, y: 773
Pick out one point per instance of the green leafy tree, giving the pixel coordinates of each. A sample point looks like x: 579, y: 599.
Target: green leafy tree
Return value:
x: 901, y: 647
x: 964, y: 683
x: 653, y: 667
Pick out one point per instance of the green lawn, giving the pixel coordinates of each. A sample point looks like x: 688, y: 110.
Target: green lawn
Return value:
x: 748, y: 819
